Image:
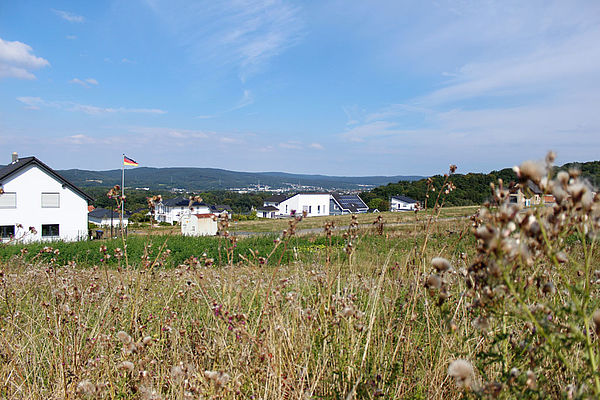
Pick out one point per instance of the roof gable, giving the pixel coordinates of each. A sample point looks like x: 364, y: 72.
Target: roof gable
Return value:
x: 405, y: 199
x: 9, y: 170
x: 105, y: 213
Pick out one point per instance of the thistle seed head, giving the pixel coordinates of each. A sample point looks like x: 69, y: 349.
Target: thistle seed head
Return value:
x: 441, y: 264
x: 462, y: 372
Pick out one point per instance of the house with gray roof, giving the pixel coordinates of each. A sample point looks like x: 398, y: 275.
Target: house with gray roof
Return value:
x: 38, y: 204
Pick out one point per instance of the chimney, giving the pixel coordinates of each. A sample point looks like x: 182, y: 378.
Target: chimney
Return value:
x: 15, y: 157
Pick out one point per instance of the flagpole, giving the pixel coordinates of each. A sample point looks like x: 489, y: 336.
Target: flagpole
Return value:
x: 122, y: 191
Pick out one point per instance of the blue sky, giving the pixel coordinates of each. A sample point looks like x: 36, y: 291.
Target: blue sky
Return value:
x: 329, y: 87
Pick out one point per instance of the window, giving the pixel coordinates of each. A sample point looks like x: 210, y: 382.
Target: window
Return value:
x: 50, y: 200
x: 50, y: 230
x: 318, y: 209
x: 309, y: 209
x: 7, y: 231
x: 8, y: 200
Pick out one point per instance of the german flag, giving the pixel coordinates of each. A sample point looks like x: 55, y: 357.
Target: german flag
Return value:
x: 129, y: 161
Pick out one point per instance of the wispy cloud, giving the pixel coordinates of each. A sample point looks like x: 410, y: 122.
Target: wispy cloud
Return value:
x: 316, y: 146
x: 291, y: 145
x: 67, y: 16
x: 245, y: 34
x: 17, y: 60
x: 85, y: 83
x: 35, y: 103
x: 245, y: 101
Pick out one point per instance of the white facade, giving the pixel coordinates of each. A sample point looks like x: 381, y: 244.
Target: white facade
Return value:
x: 403, y: 204
x: 199, y: 225
x: 106, y: 221
x: 172, y: 214
x: 41, y: 201
x: 313, y: 204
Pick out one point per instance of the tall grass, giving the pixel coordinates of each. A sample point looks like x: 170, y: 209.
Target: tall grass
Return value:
x: 438, y: 309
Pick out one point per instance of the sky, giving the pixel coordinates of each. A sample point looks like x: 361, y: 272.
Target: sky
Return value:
x: 332, y: 87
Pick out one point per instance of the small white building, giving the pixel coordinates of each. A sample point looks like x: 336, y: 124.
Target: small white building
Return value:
x: 36, y: 203
x: 199, y: 225
x: 172, y: 210
x: 312, y: 204
x: 105, y: 217
x: 403, y: 203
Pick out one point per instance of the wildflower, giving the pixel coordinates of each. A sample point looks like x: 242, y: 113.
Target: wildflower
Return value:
x: 177, y: 373
x: 549, y: 288
x: 596, y: 319
x: 124, y: 337
x: 218, y: 377
x: 347, y: 311
x: 530, y: 170
x: 481, y: 323
x: 462, y: 372
x: 434, y: 282
x: 86, y: 388
x: 531, y: 380
x: 441, y: 264
x: 126, y: 366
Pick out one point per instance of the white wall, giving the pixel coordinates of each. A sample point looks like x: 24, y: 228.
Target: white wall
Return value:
x: 194, y: 226
x: 106, y: 221
x: 315, y: 204
x: 29, y: 183
x: 397, y: 205
x: 174, y: 214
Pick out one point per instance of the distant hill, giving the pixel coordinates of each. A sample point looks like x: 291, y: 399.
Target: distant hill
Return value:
x: 203, y: 179
x: 471, y: 188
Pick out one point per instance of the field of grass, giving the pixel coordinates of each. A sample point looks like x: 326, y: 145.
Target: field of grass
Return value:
x: 357, y: 314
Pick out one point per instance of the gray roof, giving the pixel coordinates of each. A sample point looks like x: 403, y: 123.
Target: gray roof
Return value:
x: 405, y: 199
x: 277, y: 198
x: 220, y: 208
x: 102, y: 213
x: 267, y: 208
x: 180, y: 202
x: 10, y: 169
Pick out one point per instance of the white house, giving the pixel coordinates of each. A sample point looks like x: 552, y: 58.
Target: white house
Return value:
x: 105, y: 217
x: 199, y: 225
x: 36, y: 203
x: 403, y: 203
x: 347, y: 204
x: 313, y: 204
x: 172, y: 210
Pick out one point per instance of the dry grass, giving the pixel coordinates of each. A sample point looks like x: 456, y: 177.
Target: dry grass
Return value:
x: 303, y: 330
x: 513, y: 316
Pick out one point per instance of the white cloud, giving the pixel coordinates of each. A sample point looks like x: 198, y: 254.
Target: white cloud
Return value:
x: 67, y: 16
x: 316, y: 146
x: 36, y: 103
x: 17, y: 60
x: 85, y: 83
x: 32, y: 103
x: 80, y: 139
x: 291, y: 145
